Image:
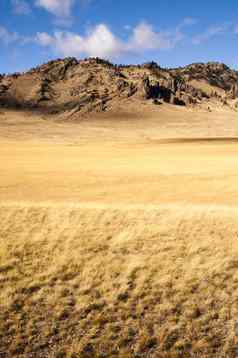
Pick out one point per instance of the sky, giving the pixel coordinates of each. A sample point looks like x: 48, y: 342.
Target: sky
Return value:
x: 172, y: 33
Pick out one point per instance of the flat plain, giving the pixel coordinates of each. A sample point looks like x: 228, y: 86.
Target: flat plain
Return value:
x: 118, y: 234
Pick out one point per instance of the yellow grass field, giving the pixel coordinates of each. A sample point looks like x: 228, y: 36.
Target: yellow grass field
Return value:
x: 118, y: 236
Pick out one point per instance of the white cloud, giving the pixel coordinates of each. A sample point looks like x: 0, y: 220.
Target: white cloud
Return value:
x: 145, y: 38
x: 127, y: 27
x: 8, y: 37
x: 209, y: 33
x: 235, y: 29
x: 101, y: 42
x: 59, y: 8
x: 21, y: 7
x: 44, y: 39
x: 188, y: 21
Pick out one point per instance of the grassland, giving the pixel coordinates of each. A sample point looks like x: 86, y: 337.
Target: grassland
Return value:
x: 116, y: 240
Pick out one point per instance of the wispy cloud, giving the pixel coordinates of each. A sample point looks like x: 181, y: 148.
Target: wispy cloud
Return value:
x: 8, y: 37
x: 59, y: 8
x: 187, y: 21
x: 235, y: 29
x: 21, y: 7
x: 211, y: 32
x: 179, y: 30
x: 144, y: 37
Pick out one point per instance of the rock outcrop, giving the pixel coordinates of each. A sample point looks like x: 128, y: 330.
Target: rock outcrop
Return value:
x: 93, y: 84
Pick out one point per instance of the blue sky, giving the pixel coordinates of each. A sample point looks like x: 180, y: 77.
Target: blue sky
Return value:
x: 173, y: 33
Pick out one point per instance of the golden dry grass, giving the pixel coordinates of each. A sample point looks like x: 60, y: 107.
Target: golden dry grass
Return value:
x: 145, y: 172
x: 114, y: 242
x: 85, y: 281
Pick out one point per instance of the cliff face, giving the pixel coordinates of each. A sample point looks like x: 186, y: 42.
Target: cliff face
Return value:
x: 97, y: 85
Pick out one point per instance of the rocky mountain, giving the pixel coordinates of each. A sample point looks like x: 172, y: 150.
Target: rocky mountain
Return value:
x: 78, y: 87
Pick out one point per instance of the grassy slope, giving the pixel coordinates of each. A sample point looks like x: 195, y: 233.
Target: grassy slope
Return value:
x: 85, y: 281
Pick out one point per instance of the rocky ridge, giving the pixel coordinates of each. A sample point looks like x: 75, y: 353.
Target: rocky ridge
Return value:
x: 79, y: 87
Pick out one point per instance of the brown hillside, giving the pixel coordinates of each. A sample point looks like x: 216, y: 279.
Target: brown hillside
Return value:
x: 90, y: 85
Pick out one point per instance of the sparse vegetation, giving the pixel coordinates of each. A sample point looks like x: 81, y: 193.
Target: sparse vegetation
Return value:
x: 60, y: 86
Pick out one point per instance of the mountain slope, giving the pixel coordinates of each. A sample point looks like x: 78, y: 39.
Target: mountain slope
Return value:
x: 96, y: 85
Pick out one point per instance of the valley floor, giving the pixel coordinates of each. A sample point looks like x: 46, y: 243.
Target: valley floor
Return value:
x: 118, y: 236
